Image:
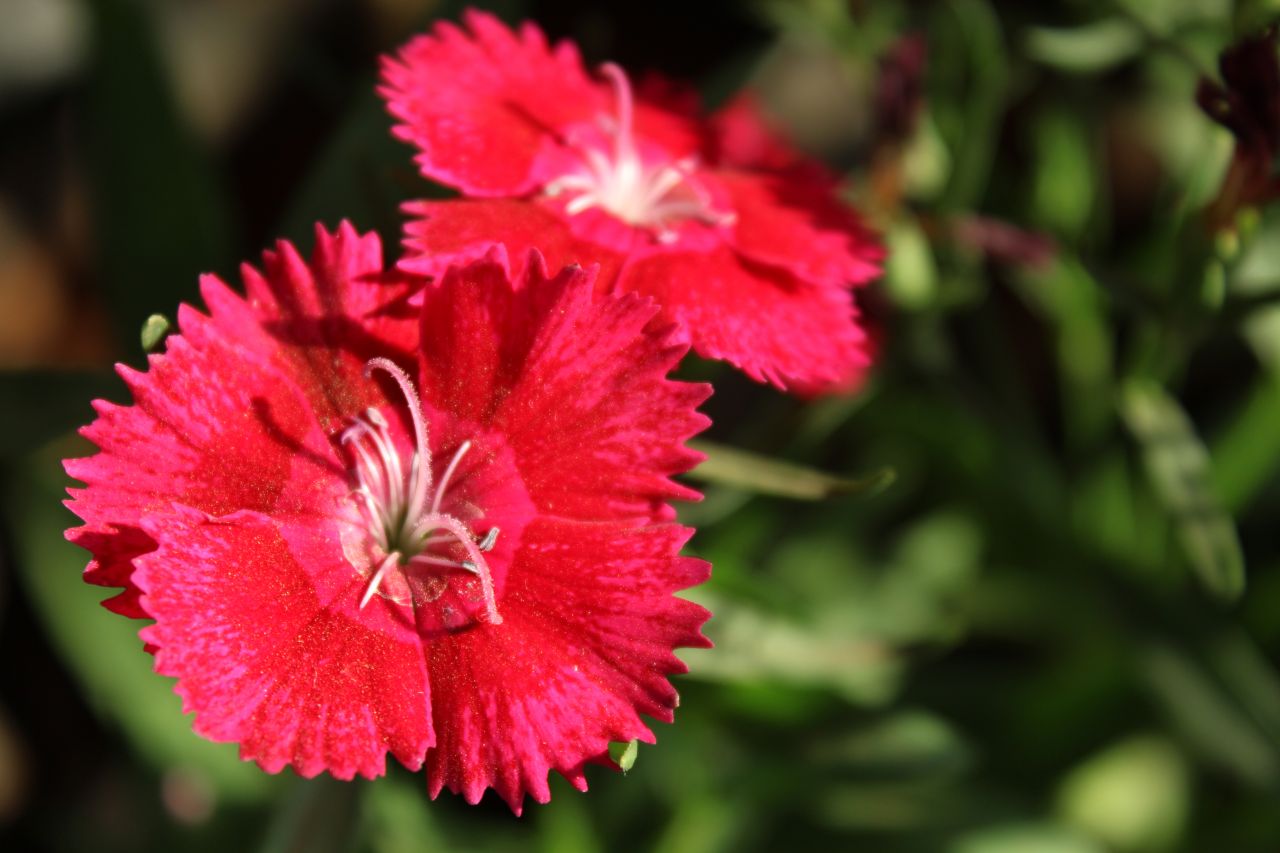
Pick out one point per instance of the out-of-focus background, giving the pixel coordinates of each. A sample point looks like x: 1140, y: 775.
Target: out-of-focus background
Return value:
x: 1056, y: 632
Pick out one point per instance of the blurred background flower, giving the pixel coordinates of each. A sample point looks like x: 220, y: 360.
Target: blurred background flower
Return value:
x: 1057, y: 630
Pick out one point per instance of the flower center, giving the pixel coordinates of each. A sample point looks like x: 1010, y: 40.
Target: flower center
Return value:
x: 651, y: 195
x: 400, y: 506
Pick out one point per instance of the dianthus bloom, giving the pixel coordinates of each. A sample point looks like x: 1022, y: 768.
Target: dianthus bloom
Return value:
x: 443, y: 532
x: 743, y: 242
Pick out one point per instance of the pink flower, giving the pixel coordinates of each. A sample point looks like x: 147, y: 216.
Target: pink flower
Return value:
x: 443, y: 533
x: 743, y: 242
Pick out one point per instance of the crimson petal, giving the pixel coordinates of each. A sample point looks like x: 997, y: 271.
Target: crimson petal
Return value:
x: 585, y: 648
x: 264, y: 662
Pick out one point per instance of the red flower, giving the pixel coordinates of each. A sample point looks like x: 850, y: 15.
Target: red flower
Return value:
x: 743, y: 242
x: 362, y: 527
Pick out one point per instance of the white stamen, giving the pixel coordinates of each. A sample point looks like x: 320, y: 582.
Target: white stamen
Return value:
x: 376, y: 580
x: 448, y: 473
x: 482, y: 568
x: 623, y: 145
x: 619, y: 181
x: 420, y: 477
x: 441, y: 561
x: 394, y: 502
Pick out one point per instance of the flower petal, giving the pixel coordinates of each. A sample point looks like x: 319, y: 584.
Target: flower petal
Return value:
x: 262, y: 660
x: 578, y: 386
x: 439, y: 235
x: 226, y: 418
x: 326, y: 317
x: 213, y: 426
x: 486, y: 105
x: 590, y: 621
x: 500, y: 112
x: 114, y: 548
x: 738, y: 136
x: 773, y: 326
x: 800, y: 226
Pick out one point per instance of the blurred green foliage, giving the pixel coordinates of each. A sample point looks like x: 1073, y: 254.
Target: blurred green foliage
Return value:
x: 1056, y: 632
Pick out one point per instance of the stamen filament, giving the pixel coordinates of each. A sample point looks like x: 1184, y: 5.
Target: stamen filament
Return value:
x: 448, y: 473
x: 623, y: 149
x: 390, y: 459
x: 441, y: 561
x: 421, y: 482
x: 455, y: 527
x: 376, y: 580
x: 619, y: 181
x: 394, y: 501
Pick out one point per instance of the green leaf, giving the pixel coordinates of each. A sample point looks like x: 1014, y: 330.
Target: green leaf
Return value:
x: 1073, y: 303
x: 926, y: 163
x: 1250, y: 16
x: 1178, y: 468
x: 1063, y: 189
x: 754, y: 646
x: 731, y: 467
x: 1246, y: 454
x: 974, y: 64
x: 624, y: 754
x: 905, y: 746
x: 1092, y: 48
x: 1133, y: 796
x: 1209, y: 717
x: 1250, y: 677
x: 911, y: 273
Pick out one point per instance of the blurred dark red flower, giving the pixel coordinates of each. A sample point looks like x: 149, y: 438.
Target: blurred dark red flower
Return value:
x: 899, y: 92
x: 742, y: 241
x: 1246, y: 102
x: 363, y: 527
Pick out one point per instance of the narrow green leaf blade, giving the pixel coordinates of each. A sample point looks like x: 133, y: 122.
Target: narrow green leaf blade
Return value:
x: 1088, y: 49
x: 1178, y: 467
x: 729, y: 466
x: 1246, y: 453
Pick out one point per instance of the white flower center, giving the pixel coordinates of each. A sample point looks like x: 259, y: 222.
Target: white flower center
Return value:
x: 400, y: 508
x: 652, y: 195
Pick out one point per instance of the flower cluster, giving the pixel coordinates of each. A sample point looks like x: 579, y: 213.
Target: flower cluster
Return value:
x: 425, y: 509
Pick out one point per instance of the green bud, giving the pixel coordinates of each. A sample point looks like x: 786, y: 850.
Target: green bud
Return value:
x: 624, y: 754
x: 154, y: 330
